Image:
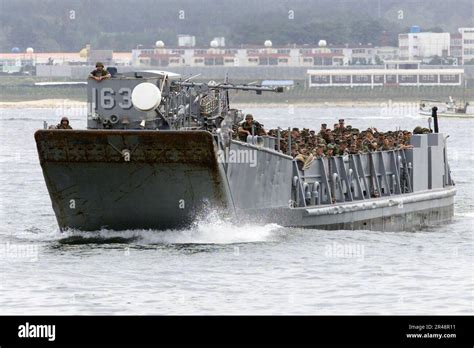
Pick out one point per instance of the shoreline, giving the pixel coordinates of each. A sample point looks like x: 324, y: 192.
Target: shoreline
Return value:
x: 71, y: 103
x: 333, y: 104
x: 42, y: 104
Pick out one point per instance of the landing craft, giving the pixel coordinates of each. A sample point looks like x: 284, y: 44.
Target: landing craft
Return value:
x: 151, y: 158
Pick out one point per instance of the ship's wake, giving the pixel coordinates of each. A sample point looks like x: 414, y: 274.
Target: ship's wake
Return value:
x: 213, y: 228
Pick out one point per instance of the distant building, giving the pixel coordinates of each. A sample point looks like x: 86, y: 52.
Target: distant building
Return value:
x: 14, y: 62
x: 467, y: 35
x: 396, y: 73
x: 321, y: 55
x: 186, y: 41
x: 423, y: 45
x: 360, y: 55
x: 456, y: 47
x: 386, y: 53
x: 248, y: 56
x: 159, y: 57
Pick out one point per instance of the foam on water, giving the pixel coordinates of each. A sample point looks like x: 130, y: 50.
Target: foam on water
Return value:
x: 465, y: 214
x: 212, y: 229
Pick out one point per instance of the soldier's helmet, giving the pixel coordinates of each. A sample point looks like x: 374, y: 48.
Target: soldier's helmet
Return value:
x: 418, y: 130
x: 64, y: 119
x: 425, y: 130
x: 99, y: 64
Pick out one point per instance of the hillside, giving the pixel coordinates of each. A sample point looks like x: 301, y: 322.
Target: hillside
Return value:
x: 67, y: 25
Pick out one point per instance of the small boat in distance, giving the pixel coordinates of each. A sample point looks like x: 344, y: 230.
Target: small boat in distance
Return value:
x: 445, y: 109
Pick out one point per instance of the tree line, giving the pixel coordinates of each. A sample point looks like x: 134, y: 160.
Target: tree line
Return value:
x: 121, y: 25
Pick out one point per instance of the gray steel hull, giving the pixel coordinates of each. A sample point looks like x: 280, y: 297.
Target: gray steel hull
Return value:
x: 171, y: 178
x: 409, y: 212
x: 167, y: 182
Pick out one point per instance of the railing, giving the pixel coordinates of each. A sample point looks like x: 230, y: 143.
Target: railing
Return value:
x: 360, y: 177
x: 263, y: 141
x: 350, y: 178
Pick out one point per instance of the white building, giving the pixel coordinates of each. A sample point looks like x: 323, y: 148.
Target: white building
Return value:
x: 424, y: 45
x: 186, y: 41
x: 396, y: 73
x: 467, y: 35
x: 387, y: 53
x: 247, y: 56
x: 242, y: 56
x: 456, y: 48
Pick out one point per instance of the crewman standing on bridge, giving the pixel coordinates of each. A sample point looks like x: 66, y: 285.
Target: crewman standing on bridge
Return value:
x: 99, y: 73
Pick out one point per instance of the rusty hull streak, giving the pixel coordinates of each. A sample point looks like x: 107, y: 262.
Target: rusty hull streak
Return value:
x: 148, y: 146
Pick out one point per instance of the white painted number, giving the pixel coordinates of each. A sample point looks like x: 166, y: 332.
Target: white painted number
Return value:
x: 107, y: 98
x: 127, y: 100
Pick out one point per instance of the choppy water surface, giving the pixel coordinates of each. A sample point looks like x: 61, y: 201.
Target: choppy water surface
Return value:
x: 220, y: 267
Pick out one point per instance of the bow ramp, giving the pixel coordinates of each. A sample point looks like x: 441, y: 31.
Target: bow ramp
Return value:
x: 126, y: 179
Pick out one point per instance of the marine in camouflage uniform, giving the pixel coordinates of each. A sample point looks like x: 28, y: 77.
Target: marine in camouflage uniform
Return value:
x: 343, y: 140
x: 64, y: 124
x: 245, y: 128
x: 99, y: 73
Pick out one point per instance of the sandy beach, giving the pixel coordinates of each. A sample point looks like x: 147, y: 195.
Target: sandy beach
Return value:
x: 43, y: 103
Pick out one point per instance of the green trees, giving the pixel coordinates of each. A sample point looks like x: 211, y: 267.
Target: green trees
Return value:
x: 68, y: 25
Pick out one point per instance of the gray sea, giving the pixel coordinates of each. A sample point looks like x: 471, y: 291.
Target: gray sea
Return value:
x: 219, y: 267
